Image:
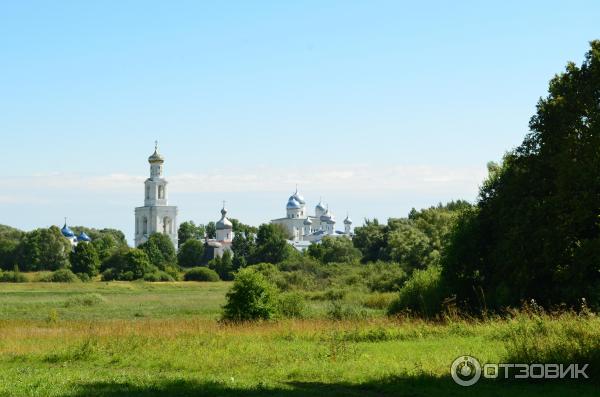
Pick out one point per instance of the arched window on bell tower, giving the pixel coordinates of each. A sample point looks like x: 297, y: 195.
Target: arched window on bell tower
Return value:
x: 161, y: 192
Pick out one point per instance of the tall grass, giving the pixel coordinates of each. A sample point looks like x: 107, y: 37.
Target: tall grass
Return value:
x: 533, y: 336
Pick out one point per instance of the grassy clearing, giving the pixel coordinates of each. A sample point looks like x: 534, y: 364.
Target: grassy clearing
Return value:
x: 97, y: 345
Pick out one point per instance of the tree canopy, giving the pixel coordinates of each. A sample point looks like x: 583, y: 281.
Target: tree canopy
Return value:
x: 536, y: 233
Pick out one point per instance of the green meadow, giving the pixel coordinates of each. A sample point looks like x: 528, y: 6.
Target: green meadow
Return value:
x: 164, y: 339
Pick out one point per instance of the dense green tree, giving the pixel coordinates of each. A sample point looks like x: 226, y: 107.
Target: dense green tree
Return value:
x: 211, y: 229
x: 85, y: 259
x: 9, y: 244
x: 243, y: 247
x: 409, y: 246
x: 271, y: 244
x: 188, y: 231
x: 334, y: 249
x: 43, y: 249
x: 223, y: 265
x: 251, y: 298
x: 536, y: 232
x: 160, y: 251
x: 239, y: 227
x: 105, y: 241
x: 370, y: 239
x: 191, y: 254
x: 128, y: 264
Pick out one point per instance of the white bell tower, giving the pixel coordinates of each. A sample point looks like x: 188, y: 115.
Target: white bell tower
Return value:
x: 156, y: 216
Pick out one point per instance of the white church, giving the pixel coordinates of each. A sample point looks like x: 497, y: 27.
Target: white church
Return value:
x: 156, y: 216
x: 303, y: 228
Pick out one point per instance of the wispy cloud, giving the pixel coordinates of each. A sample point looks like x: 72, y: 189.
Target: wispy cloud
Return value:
x: 352, y: 178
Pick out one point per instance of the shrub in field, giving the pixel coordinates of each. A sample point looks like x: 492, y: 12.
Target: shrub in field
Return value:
x: 84, y: 300
x: 381, y: 300
x: 342, y: 311
x: 384, y: 277
x: 297, y: 280
x: 292, y: 305
x: 61, y: 276
x: 158, y: 275
x: 12, y: 277
x: 83, y: 277
x: 201, y: 274
x: 421, y: 294
x: 271, y: 273
x: 252, y: 297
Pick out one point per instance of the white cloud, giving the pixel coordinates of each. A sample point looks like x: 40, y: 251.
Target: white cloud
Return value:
x: 352, y: 179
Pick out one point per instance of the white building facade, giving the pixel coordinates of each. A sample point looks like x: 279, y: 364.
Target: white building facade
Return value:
x: 156, y: 216
x: 312, y: 228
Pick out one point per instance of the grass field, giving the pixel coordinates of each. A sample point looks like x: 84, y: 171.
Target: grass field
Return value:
x: 162, y: 339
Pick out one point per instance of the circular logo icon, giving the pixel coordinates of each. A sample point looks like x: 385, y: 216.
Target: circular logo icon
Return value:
x: 465, y: 370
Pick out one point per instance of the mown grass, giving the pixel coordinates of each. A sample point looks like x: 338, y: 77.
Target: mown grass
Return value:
x: 96, y: 345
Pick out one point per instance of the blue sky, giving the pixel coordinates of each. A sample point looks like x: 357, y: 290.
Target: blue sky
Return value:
x: 378, y: 106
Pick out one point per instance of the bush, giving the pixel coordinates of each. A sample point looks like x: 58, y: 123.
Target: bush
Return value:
x: 85, y: 300
x: 12, y: 277
x: 158, y: 275
x: 421, y: 294
x: 61, y: 276
x: 384, y: 277
x: 223, y: 265
x: 83, y: 277
x: 201, y: 274
x: 340, y: 311
x: 381, y: 300
x: 252, y: 297
x: 292, y: 305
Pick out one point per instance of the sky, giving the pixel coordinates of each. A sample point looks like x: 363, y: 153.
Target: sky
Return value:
x: 375, y: 106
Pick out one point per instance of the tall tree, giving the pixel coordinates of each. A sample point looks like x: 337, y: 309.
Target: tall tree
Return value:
x: 334, y: 249
x: 9, y: 244
x: 187, y: 231
x: 160, y: 250
x: 191, y: 253
x: 211, y: 229
x: 85, y: 259
x: 271, y: 244
x: 536, y: 232
x: 44, y: 249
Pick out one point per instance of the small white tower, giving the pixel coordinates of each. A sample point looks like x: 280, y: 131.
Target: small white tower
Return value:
x: 307, y: 227
x: 328, y: 221
x: 320, y: 209
x: 347, y: 225
x: 224, y: 227
x: 156, y: 216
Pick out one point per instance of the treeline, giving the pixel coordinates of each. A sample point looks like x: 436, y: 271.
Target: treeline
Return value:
x: 47, y: 249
